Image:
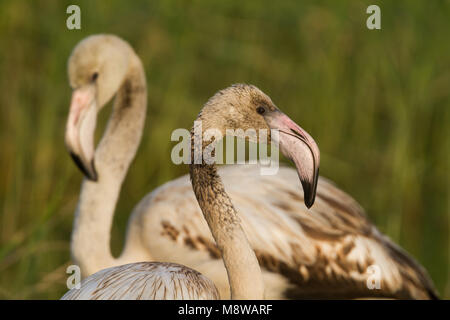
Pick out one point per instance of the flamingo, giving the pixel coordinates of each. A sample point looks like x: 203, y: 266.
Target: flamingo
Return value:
x: 323, y: 252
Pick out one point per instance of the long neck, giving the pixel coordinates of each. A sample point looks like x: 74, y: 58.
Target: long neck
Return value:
x: 116, y: 150
x: 244, y: 273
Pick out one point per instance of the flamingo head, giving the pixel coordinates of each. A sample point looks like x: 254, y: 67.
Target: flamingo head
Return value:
x: 243, y: 106
x: 97, y: 68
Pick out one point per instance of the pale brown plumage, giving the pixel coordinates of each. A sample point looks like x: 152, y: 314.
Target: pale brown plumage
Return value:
x: 323, y: 252
x: 145, y: 281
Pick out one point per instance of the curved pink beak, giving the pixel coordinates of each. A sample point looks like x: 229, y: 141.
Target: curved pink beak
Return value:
x: 297, y: 145
x: 80, y: 130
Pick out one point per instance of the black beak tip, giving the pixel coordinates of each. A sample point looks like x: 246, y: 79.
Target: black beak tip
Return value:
x: 309, y: 198
x: 89, y: 173
x: 309, y: 203
x: 310, y: 189
x: 93, y: 179
x: 308, y: 195
x: 92, y: 176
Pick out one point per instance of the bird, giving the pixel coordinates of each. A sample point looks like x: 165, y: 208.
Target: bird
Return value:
x: 145, y: 281
x: 325, y: 251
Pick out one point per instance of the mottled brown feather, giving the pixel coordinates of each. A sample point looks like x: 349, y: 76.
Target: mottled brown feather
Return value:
x: 323, y: 252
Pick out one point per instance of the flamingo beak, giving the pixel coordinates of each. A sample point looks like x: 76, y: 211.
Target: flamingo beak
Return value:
x: 80, y: 130
x: 297, y: 145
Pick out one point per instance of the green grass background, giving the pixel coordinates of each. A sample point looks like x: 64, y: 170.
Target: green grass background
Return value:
x: 376, y: 102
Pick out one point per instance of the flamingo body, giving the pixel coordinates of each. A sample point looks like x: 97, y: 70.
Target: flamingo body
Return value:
x: 324, y: 252
x: 145, y: 281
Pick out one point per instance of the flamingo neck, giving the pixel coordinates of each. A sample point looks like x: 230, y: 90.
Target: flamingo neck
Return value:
x: 244, y: 273
x: 90, y: 244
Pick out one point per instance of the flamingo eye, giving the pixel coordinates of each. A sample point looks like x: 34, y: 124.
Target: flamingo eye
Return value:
x: 94, y: 76
x: 260, y: 110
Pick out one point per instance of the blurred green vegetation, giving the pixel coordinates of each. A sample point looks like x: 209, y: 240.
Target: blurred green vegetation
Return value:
x: 376, y: 102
